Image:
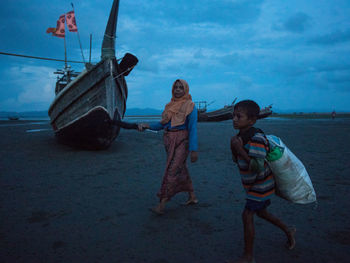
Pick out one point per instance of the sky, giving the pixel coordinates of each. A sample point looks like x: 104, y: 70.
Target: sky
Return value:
x: 294, y: 55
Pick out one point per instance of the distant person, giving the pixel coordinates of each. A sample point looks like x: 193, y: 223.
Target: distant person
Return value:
x: 333, y: 114
x: 179, y: 120
x: 249, y: 148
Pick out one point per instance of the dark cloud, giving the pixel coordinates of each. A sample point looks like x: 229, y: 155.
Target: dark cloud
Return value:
x: 230, y: 60
x: 26, y: 26
x: 229, y: 12
x: 332, y: 71
x: 331, y: 39
x: 335, y: 77
x: 339, y: 77
x: 296, y: 23
x: 324, y: 67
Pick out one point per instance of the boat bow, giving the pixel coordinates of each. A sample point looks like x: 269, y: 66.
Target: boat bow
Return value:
x: 108, y: 44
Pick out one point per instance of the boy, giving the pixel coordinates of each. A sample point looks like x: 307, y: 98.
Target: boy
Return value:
x: 249, y: 149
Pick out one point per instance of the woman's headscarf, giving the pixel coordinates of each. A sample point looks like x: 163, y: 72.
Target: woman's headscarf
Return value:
x: 178, y: 108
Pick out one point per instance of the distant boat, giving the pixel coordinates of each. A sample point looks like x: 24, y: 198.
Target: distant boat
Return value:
x: 13, y: 118
x: 265, y: 112
x: 226, y: 113
x: 222, y: 114
x: 88, y: 105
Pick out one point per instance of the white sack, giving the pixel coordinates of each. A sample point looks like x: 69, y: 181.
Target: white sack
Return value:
x: 292, y: 180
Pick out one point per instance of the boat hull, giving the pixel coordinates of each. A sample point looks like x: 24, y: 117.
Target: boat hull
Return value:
x: 218, y: 115
x: 82, y: 113
x: 226, y: 113
x: 94, y: 131
x: 12, y: 118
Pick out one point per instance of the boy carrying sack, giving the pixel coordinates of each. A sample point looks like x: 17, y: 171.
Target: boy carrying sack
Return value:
x: 249, y: 150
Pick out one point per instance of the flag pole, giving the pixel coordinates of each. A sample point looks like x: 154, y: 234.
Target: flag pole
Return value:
x: 81, y: 49
x: 90, y: 48
x: 65, y: 53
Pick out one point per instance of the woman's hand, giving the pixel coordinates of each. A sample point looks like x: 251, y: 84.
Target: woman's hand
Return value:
x: 194, y: 156
x: 142, y: 126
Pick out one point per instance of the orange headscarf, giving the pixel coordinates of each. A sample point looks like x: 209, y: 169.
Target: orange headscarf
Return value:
x: 178, y: 108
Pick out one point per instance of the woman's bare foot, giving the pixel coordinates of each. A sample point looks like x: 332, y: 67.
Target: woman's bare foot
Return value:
x: 241, y: 260
x: 157, y: 210
x: 291, y: 238
x: 192, y: 201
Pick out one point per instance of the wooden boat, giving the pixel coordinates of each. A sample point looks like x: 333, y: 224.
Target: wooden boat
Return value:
x: 217, y: 115
x: 222, y: 114
x: 226, y: 113
x: 13, y: 118
x: 88, y: 105
x: 265, y: 112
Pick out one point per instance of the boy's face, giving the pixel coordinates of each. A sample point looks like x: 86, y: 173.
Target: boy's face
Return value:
x: 241, y: 120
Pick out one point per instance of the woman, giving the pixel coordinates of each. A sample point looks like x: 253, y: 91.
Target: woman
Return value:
x: 179, y: 120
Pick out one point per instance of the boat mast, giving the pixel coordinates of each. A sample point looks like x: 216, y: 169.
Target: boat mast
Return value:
x: 108, y: 44
x: 81, y: 48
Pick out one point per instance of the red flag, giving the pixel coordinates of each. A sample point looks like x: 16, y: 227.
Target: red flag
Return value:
x: 51, y: 30
x: 59, y: 31
x: 72, y: 25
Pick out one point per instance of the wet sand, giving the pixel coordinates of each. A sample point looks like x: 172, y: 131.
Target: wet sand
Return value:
x: 59, y: 204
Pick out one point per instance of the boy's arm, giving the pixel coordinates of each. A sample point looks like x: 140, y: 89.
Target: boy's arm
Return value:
x: 233, y: 150
x: 237, y: 149
x: 255, y: 164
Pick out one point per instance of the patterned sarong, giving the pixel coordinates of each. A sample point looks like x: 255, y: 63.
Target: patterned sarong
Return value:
x: 176, y: 177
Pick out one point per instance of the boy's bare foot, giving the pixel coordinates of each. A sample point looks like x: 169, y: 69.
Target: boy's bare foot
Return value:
x: 291, y: 239
x: 192, y: 201
x: 157, y: 210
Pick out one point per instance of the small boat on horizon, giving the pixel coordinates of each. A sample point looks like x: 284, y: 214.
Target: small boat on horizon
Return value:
x: 222, y: 114
x: 225, y: 113
x: 13, y: 118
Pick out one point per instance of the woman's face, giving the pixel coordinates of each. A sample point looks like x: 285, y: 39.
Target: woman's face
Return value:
x: 179, y: 90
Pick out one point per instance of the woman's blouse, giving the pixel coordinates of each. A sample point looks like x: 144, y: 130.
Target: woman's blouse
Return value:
x: 190, y: 125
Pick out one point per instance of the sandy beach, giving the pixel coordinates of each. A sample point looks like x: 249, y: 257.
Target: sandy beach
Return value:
x: 59, y: 204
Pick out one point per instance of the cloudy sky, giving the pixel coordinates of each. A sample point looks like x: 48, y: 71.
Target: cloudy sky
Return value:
x: 292, y: 54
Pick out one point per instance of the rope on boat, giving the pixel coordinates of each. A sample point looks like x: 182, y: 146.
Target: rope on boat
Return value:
x: 128, y: 69
x: 112, y: 37
x: 55, y: 59
x: 25, y: 56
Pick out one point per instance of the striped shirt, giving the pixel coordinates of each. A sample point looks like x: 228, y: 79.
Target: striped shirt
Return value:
x: 259, y: 184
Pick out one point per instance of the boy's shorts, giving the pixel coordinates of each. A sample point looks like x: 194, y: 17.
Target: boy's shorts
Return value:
x: 253, y: 205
